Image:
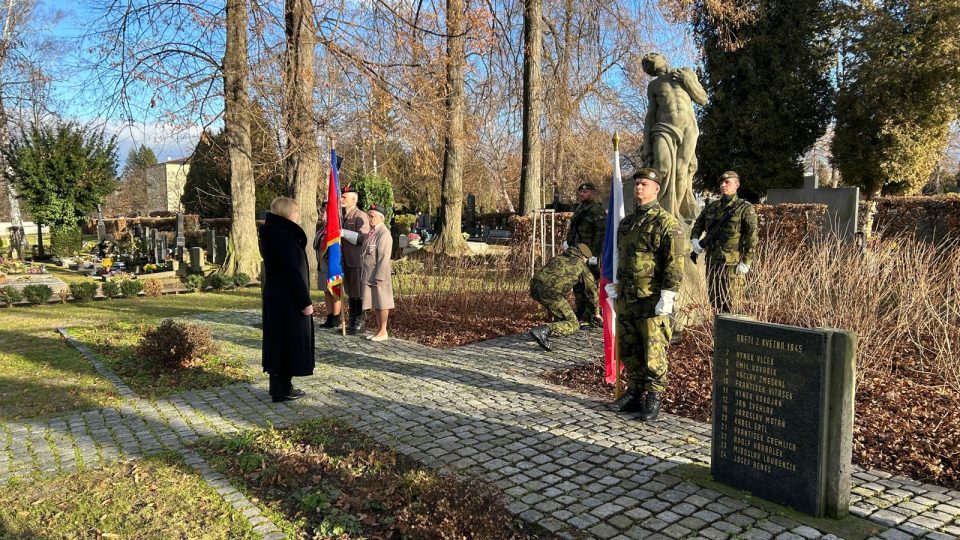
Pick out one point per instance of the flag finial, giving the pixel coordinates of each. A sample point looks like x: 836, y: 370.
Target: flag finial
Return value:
x: 616, y: 141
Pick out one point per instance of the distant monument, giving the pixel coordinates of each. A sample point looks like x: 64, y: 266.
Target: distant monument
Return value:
x: 670, y: 132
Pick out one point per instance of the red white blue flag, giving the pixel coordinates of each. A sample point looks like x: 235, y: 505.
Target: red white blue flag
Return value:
x: 608, y: 269
x: 331, y: 240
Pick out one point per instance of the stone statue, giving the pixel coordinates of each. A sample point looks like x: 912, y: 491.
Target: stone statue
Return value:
x: 670, y: 132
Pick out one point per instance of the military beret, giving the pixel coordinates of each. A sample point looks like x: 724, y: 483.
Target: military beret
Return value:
x: 584, y: 250
x: 587, y: 185
x: 375, y: 208
x: 648, y: 173
x: 728, y: 174
x: 349, y: 189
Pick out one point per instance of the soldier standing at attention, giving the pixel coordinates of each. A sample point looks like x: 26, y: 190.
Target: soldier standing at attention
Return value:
x: 730, y: 224
x: 550, y: 285
x: 587, y: 226
x: 650, y: 253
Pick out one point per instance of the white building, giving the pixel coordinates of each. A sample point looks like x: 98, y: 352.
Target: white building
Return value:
x: 165, y: 183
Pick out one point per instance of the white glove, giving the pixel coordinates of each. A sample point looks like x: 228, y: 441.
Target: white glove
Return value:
x: 564, y: 245
x: 665, y: 305
x: 743, y: 268
x: 592, y: 261
x: 351, y: 236
x: 697, y: 248
x: 611, y: 289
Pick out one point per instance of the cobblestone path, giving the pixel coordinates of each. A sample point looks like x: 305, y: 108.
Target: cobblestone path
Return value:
x: 565, y: 461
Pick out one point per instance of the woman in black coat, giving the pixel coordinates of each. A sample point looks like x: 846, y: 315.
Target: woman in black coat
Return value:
x: 287, y: 308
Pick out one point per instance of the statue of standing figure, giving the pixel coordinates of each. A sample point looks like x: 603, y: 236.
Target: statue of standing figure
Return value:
x: 670, y: 132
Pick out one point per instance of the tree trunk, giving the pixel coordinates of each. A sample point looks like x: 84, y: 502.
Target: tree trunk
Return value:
x: 40, y: 252
x: 303, y: 152
x: 243, y: 254
x: 450, y: 240
x: 530, y: 174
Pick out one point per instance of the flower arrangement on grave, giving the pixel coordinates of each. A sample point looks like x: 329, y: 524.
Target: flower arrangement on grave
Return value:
x: 414, y: 239
x: 106, y: 263
x: 150, y: 268
x: 36, y: 270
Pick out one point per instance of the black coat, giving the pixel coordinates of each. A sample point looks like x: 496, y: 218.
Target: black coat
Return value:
x: 287, y: 333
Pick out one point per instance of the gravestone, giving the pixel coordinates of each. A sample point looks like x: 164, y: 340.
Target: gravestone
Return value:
x: 196, y: 260
x: 221, y: 248
x: 842, y: 204
x: 181, y: 241
x: 471, y: 213
x: 101, y: 226
x: 783, y: 413
x: 210, y: 236
x: 163, y: 247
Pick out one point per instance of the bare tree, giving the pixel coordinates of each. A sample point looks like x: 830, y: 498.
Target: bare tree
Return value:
x: 243, y: 254
x: 303, y: 152
x: 530, y: 173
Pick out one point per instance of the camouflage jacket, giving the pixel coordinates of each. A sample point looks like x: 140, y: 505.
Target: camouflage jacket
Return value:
x: 587, y: 226
x: 650, y: 253
x: 737, y: 239
x: 561, y: 273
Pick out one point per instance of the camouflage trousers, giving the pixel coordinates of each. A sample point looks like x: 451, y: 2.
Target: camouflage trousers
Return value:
x: 586, y: 295
x: 564, y: 319
x: 643, y: 339
x: 725, y: 286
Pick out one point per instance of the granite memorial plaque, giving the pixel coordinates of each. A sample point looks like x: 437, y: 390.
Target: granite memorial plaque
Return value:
x: 222, y: 243
x: 783, y: 413
x: 210, y: 237
x: 181, y: 241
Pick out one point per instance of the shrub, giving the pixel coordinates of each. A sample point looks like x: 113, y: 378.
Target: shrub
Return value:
x: 9, y: 295
x: 83, y: 291
x: 153, y: 288
x: 241, y: 280
x: 375, y: 189
x: 131, y: 288
x: 218, y: 282
x: 174, y: 344
x: 37, y: 293
x: 110, y: 289
x: 66, y: 241
x: 193, y: 282
x: 407, y: 266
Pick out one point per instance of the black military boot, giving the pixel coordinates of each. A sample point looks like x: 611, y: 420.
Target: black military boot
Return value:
x: 542, y: 335
x: 630, y: 402
x: 355, y: 325
x: 651, y: 407
x: 333, y: 321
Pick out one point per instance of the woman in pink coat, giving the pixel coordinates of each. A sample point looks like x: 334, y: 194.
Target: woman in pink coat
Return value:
x: 375, y: 268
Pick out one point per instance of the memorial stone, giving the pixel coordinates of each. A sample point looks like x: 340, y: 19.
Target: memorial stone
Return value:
x: 211, y: 245
x: 783, y: 413
x: 221, y: 248
x: 181, y: 241
x: 101, y: 226
x: 471, y: 216
x: 196, y: 260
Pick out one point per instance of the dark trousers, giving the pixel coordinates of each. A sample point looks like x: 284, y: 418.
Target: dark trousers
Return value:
x: 281, y: 385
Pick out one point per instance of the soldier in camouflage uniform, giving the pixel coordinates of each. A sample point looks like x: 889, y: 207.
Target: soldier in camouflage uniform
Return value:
x: 650, y: 253
x: 729, y: 242
x: 550, y: 285
x: 587, y: 226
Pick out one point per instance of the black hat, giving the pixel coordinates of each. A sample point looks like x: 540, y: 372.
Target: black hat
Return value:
x: 728, y: 174
x: 648, y: 173
x: 349, y: 189
x: 377, y: 209
x: 587, y: 185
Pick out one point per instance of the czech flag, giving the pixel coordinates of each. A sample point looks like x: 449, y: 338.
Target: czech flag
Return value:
x: 331, y: 240
x: 608, y: 270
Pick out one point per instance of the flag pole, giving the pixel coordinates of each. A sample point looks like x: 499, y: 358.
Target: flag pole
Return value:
x: 618, y: 385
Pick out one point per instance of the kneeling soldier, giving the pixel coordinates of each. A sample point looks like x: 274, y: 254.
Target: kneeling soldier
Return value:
x: 550, y: 285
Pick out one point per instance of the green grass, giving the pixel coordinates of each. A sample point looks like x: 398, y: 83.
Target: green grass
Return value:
x: 41, y: 375
x: 116, y: 344
x: 156, y: 497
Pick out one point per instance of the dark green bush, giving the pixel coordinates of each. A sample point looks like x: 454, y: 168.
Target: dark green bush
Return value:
x: 110, y: 289
x: 37, y: 293
x: 193, y: 282
x: 9, y: 295
x: 219, y: 282
x: 66, y: 241
x: 241, y: 280
x: 83, y: 291
x: 131, y: 288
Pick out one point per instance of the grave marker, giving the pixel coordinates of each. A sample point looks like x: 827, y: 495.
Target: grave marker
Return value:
x: 783, y: 413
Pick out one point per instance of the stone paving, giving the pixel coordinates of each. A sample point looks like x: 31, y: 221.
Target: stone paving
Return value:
x: 564, y: 461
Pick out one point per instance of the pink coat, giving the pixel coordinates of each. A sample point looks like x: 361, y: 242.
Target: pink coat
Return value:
x: 377, y: 286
